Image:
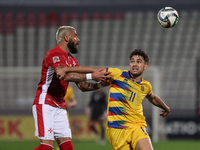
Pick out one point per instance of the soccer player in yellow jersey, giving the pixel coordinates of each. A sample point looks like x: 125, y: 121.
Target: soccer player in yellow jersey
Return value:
x: 126, y: 125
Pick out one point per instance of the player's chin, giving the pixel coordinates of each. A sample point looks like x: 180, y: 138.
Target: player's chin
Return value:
x: 135, y: 73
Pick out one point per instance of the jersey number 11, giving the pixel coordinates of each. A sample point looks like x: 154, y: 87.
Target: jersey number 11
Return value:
x: 132, y: 96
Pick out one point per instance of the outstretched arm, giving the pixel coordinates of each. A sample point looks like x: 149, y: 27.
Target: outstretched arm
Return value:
x: 89, y: 86
x: 157, y: 101
x: 66, y: 74
x: 78, y: 69
x: 62, y: 70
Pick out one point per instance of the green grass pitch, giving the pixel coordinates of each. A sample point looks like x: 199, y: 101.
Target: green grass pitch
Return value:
x: 166, y: 145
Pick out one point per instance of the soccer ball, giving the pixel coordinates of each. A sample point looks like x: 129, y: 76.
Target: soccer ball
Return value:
x: 168, y: 17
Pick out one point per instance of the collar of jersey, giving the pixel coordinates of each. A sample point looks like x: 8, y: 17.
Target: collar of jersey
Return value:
x: 133, y: 79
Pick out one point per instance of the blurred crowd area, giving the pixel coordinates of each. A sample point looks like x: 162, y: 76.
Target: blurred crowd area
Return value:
x: 107, y: 37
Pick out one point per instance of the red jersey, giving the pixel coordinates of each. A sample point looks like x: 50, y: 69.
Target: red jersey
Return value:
x: 52, y: 90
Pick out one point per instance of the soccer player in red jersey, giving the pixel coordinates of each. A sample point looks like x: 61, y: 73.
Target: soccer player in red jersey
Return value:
x: 49, y: 106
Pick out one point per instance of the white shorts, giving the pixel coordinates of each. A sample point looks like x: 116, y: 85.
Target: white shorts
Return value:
x: 50, y: 122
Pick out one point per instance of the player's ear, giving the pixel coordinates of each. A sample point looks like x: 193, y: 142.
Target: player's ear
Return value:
x: 146, y: 66
x: 66, y: 38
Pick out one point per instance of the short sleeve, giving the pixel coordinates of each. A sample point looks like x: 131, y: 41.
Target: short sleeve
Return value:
x: 150, y: 90
x: 114, y: 72
x: 55, y: 59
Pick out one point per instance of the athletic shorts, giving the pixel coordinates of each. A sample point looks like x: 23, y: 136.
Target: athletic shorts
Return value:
x: 50, y: 122
x: 126, y: 139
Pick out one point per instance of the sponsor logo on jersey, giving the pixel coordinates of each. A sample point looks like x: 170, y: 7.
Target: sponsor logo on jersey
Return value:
x: 56, y: 59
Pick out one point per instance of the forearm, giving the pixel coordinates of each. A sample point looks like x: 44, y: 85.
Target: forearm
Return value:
x: 88, y: 86
x: 159, y: 103
x: 66, y: 74
x: 74, y: 77
x: 71, y: 103
x: 82, y: 69
x: 61, y: 70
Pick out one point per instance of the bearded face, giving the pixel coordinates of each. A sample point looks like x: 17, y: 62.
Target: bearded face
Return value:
x: 72, y: 47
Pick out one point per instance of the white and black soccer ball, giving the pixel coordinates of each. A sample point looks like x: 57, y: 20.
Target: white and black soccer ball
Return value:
x: 168, y: 17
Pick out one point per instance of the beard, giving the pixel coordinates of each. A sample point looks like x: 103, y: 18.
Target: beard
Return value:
x: 135, y: 75
x: 72, y: 47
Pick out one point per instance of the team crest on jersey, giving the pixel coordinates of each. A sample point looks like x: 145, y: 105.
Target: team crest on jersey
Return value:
x: 142, y: 88
x: 56, y: 59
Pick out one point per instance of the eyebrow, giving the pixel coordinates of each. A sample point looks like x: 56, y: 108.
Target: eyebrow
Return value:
x: 137, y: 59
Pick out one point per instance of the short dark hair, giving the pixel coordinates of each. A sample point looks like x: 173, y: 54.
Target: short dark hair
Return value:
x: 141, y: 53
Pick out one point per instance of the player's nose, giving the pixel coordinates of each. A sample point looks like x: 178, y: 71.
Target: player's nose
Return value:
x: 78, y: 40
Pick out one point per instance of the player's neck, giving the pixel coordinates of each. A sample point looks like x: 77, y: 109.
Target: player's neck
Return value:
x: 136, y: 78
x: 64, y: 48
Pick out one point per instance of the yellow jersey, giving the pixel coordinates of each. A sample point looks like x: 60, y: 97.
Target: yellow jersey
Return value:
x: 125, y: 100
x: 69, y: 94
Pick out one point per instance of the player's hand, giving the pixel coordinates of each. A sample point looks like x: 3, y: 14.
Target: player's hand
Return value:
x: 99, y: 75
x: 165, y: 112
x: 105, y: 82
x: 60, y: 72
